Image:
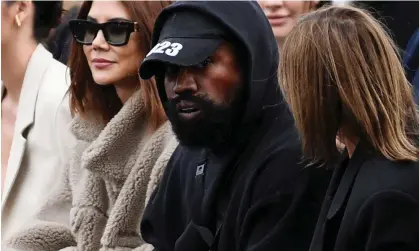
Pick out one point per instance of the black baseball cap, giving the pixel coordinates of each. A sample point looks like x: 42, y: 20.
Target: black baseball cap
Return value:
x: 186, y: 39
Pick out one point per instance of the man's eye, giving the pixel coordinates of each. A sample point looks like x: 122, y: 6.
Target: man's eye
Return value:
x: 172, y: 70
x: 204, y: 63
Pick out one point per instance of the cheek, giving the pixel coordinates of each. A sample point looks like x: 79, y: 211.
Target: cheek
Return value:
x: 261, y: 4
x: 297, y: 8
x: 86, y: 51
x: 4, y: 32
x: 129, y: 58
x: 221, y: 82
x: 169, y: 84
x: 280, y: 32
x: 6, y: 29
x: 127, y: 62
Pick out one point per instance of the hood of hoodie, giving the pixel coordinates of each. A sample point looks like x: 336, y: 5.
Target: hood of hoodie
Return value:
x: 256, y: 37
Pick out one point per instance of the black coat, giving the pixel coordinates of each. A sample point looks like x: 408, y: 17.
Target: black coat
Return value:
x: 259, y: 193
x: 372, y: 204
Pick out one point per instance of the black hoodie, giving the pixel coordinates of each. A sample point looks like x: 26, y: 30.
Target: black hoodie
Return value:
x: 258, y: 195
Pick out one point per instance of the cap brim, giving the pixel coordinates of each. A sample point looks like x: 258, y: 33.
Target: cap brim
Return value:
x: 192, y: 52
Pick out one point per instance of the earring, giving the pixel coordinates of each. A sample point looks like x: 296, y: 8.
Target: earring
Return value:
x: 17, y: 19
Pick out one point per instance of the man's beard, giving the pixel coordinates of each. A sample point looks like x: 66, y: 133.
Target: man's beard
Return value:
x: 213, y: 128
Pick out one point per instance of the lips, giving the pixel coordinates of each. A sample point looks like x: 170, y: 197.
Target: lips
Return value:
x: 101, y: 63
x: 187, y: 110
x: 277, y: 20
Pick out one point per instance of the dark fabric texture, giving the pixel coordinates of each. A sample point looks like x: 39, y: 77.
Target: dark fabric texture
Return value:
x: 372, y: 204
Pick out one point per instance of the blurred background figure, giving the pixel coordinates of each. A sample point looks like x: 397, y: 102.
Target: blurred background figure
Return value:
x: 283, y: 15
x: 34, y: 110
x: 60, y: 38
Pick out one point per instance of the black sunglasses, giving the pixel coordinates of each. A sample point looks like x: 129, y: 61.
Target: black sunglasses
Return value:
x: 116, y: 33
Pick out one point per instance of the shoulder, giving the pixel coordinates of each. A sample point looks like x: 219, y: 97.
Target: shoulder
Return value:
x: 164, y: 134
x: 53, y: 97
x: 386, y: 198
x: 55, y: 86
x: 380, y: 174
x: 161, y: 145
x: 284, y: 169
x: 161, y: 142
x: 291, y: 174
x: 56, y: 80
x: 169, y: 143
x: 386, y: 208
x: 53, y: 93
x: 277, y: 164
x: 386, y: 174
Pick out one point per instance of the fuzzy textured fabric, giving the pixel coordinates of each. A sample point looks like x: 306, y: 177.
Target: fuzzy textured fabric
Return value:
x: 99, y: 199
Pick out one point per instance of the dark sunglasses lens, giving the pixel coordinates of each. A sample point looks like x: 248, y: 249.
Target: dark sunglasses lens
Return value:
x: 90, y: 33
x: 117, y: 33
x: 84, y: 32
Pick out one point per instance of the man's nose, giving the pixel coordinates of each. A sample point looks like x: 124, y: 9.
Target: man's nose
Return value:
x: 185, y: 82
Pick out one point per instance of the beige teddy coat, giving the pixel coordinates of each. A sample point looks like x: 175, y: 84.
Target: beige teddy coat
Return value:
x: 99, y: 200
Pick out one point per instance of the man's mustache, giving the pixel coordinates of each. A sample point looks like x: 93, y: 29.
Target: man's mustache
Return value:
x: 200, y: 101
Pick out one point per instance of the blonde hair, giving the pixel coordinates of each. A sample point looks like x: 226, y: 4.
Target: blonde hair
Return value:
x: 340, y: 69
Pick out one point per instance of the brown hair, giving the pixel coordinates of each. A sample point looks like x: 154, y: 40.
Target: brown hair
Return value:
x: 339, y: 70
x: 90, y: 99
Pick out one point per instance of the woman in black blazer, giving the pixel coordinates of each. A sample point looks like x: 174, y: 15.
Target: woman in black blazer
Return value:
x: 341, y: 76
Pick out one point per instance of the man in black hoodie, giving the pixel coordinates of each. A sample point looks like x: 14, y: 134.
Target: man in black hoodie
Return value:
x: 237, y: 181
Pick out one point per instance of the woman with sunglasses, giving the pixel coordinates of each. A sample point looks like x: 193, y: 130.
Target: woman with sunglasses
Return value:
x: 341, y: 75
x: 124, y: 141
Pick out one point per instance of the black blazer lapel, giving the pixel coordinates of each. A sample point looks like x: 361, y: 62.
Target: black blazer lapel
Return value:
x: 348, y: 178
x: 318, y: 236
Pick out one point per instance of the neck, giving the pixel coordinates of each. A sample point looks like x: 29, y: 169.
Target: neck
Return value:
x: 280, y: 42
x: 126, y: 89
x: 351, y: 143
x: 15, y: 59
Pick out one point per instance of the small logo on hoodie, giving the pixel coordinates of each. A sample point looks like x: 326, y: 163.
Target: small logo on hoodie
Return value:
x: 200, y: 169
